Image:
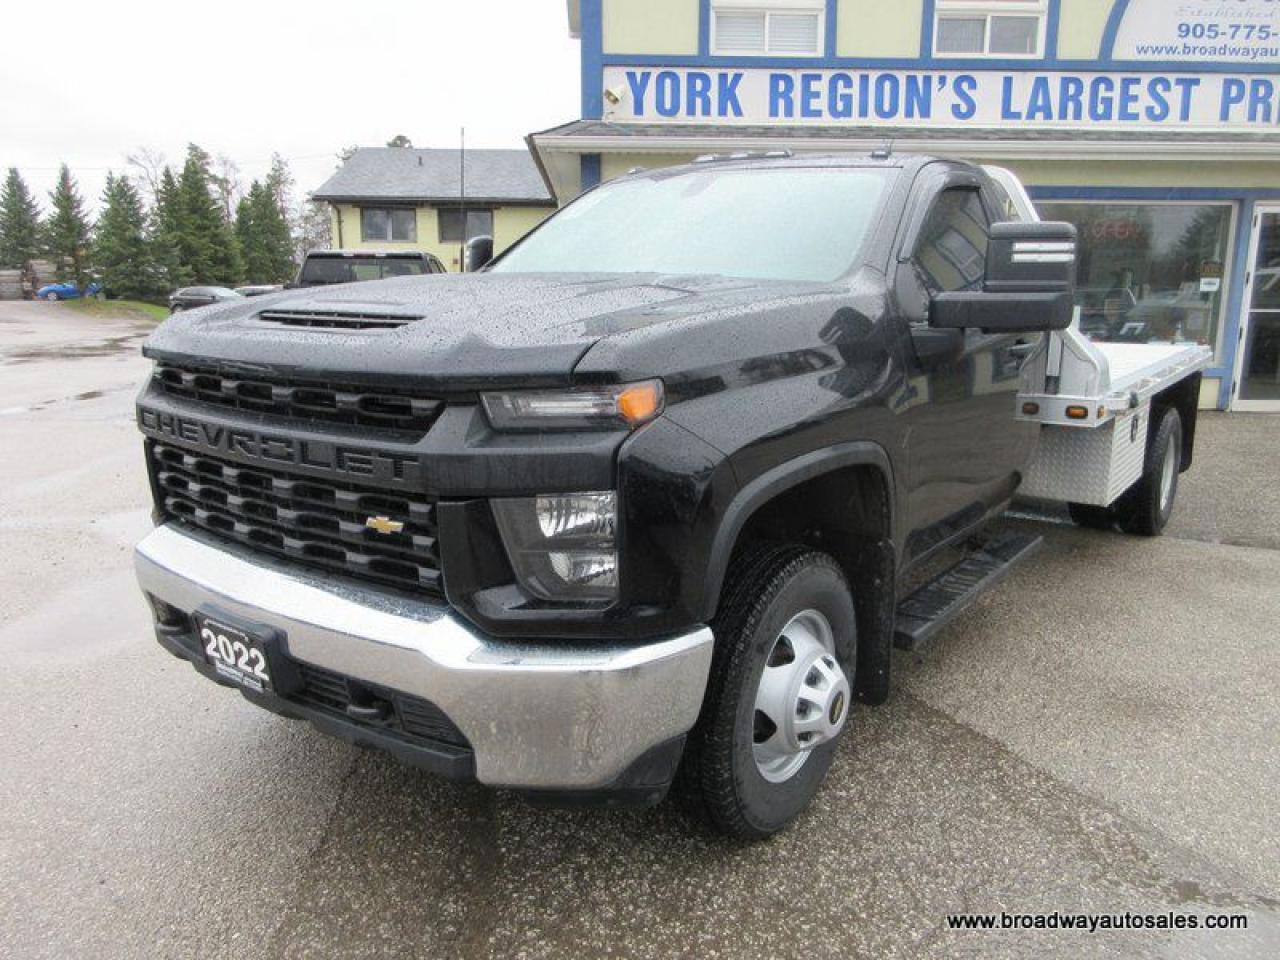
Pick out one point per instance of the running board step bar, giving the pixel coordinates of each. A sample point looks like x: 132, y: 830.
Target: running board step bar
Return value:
x: 942, y: 599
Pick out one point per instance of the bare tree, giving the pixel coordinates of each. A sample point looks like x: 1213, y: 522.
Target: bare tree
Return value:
x: 226, y: 181
x: 148, y: 167
x: 313, y: 230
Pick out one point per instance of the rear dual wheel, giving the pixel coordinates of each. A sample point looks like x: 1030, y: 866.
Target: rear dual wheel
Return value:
x: 1145, y: 508
x: 779, y: 692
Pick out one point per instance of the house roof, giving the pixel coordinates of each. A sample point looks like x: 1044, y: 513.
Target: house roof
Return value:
x: 410, y: 174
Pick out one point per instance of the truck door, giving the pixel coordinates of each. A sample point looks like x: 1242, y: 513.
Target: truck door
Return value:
x: 964, y: 446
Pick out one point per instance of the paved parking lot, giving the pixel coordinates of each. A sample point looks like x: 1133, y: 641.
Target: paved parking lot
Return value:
x: 1098, y: 734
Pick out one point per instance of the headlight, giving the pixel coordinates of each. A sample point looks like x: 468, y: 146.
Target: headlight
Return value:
x: 562, y: 546
x: 587, y: 408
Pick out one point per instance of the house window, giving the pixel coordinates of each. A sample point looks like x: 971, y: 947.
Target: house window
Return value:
x: 479, y: 224
x: 762, y: 28
x: 990, y: 28
x: 383, y: 225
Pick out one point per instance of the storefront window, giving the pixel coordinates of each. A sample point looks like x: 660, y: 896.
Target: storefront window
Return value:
x: 1149, y: 272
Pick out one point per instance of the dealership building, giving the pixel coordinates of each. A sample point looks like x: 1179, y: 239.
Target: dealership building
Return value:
x: 1152, y: 125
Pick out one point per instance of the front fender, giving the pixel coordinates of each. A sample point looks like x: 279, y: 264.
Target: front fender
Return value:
x: 763, y: 488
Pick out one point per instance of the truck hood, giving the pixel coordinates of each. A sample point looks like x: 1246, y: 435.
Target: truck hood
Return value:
x: 464, y: 332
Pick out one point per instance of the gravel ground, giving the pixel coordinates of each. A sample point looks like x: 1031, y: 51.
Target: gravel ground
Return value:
x: 1096, y: 734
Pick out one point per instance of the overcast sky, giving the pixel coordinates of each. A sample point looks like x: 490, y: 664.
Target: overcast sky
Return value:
x: 89, y: 82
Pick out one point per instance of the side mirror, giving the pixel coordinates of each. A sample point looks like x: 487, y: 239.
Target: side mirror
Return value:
x: 479, y: 251
x: 1030, y: 282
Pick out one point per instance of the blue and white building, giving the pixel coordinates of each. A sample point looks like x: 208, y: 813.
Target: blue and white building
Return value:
x: 1154, y: 125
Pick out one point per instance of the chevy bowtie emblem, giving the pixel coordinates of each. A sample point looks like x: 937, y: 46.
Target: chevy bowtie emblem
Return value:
x: 384, y: 525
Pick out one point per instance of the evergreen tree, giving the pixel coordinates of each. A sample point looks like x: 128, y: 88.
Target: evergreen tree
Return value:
x: 19, y: 223
x: 247, y: 236
x: 122, y: 253
x: 166, y: 232
x: 263, y: 234
x: 67, y: 232
x: 276, y: 239
x: 206, y: 245
x: 280, y: 182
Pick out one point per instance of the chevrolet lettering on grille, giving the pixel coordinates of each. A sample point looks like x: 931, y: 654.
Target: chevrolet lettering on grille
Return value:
x: 258, y: 446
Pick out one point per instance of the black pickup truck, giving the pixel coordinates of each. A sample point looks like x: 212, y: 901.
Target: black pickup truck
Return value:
x: 626, y: 509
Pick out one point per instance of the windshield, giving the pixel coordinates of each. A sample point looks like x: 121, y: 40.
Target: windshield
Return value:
x: 772, y: 223
x: 319, y: 271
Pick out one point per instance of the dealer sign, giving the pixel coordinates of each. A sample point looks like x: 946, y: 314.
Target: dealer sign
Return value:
x: 952, y: 98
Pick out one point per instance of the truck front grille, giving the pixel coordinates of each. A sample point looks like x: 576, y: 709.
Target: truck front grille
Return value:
x: 301, y: 400
x: 317, y: 522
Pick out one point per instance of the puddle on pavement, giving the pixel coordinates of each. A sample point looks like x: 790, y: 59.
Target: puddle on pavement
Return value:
x: 112, y: 346
x: 77, y: 398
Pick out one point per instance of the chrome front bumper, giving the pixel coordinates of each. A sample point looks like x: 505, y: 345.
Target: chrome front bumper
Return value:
x: 539, y: 716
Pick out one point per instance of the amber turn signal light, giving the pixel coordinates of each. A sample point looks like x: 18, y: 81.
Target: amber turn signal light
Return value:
x: 640, y: 402
x: 1077, y: 413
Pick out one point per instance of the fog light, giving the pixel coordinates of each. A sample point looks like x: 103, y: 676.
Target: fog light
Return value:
x: 599, y: 570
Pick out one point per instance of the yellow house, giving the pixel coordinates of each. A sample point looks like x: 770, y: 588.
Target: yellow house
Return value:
x: 1153, y: 126
x: 403, y: 198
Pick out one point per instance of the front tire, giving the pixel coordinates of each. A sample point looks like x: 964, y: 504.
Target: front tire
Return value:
x: 51, y: 297
x: 1146, y: 507
x: 779, y: 692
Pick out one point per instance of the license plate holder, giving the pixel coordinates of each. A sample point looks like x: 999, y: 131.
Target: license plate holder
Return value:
x: 237, y: 653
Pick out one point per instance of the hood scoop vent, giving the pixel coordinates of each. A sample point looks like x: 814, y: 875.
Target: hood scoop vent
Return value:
x: 335, y: 319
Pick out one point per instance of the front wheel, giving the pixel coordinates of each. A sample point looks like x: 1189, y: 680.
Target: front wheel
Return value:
x: 779, y: 691
x: 51, y: 297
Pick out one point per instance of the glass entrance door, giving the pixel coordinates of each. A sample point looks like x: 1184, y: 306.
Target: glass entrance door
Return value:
x: 1258, y: 360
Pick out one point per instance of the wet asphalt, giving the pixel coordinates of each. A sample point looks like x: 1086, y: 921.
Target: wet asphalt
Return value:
x: 1097, y: 734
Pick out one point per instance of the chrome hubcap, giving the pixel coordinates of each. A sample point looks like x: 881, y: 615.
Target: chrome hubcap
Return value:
x: 802, y: 700
x: 1168, y: 474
